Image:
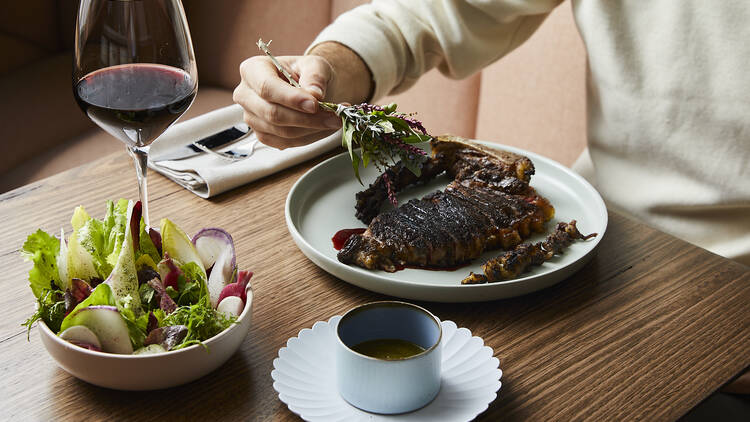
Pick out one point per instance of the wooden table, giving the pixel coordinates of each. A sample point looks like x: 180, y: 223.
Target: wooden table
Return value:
x: 648, y: 329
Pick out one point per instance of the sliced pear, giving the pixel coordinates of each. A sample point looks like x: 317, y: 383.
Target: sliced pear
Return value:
x: 124, y: 277
x: 107, y: 325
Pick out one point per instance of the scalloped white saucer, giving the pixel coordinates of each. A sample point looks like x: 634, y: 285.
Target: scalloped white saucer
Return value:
x: 305, y: 377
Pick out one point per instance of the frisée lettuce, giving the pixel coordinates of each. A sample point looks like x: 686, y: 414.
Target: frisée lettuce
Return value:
x: 115, y: 275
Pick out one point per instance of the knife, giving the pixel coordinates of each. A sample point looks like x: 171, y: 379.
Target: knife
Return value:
x: 214, y: 141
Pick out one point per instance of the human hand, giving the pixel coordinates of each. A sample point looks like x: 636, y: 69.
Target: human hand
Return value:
x: 281, y: 115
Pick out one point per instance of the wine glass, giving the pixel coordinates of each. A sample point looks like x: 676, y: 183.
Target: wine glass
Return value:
x: 134, y: 72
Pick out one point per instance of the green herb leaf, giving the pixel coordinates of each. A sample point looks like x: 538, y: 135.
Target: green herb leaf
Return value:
x: 50, y: 309
x: 42, y: 248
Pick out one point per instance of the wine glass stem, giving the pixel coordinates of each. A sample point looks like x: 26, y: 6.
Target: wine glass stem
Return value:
x: 140, y: 157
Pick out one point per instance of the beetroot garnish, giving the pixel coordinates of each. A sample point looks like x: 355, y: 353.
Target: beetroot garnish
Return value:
x: 166, y: 303
x: 237, y: 288
x: 155, y: 238
x: 135, y: 224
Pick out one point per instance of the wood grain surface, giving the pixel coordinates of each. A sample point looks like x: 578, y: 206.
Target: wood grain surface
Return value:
x: 648, y: 329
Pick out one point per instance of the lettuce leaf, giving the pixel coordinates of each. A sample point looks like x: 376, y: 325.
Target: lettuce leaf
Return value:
x: 42, y: 248
x: 116, y: 224
x: 91, y: 237
x: 137, y: 334
x: 103, y: 239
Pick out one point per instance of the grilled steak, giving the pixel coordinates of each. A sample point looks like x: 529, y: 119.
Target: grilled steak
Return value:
x: 518, y: 260
x: 488, y: 205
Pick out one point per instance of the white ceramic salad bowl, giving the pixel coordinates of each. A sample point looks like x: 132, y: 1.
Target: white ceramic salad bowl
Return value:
x: 152, y: 371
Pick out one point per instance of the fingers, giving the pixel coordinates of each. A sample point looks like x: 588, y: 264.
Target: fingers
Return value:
x: 260, y: 75
x: 314, y: 75
x: 260, y: 124
x: 282, y: 137
x: 283, y: 115
x: 263, y: 113
x: 284, y: 143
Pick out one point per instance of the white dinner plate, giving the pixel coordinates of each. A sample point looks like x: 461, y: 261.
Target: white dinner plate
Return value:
x: 304, y: 375
x: 322, y: 202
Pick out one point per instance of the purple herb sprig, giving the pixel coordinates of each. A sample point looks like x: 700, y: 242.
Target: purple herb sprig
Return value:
x: 383, y: 137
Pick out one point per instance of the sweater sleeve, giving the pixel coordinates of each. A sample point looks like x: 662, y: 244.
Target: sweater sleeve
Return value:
x: 400, y: 40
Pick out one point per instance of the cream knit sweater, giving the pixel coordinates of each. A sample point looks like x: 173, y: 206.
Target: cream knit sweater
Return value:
x: 668, y: 94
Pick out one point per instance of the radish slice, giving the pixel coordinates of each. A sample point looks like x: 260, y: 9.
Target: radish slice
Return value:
x: 231, y: 306
x: 220, y: 276
x: 88, y: 346
x: 81, y: 335
x: 212, y: 243
x: 216, y: 249
x: 108, y: 326
x: 239, y: 288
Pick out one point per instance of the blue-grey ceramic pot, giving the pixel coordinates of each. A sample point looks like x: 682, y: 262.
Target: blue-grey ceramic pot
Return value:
x: 388, y: 386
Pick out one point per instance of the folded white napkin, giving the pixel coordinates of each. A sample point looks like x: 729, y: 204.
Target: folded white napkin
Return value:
x: 207, y: 175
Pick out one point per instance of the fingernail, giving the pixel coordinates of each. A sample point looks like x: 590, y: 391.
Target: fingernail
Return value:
x: 308, y: 106
x: 315, y: 90
x: 333, y: 122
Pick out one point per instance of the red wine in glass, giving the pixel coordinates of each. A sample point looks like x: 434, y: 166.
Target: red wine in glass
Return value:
x: 134, y: 72
x: 135, y: 102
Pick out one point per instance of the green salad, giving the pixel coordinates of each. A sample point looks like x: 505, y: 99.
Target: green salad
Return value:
x: 116, y: 286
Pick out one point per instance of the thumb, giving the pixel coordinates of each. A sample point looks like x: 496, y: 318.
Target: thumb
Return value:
x: 314, y: 74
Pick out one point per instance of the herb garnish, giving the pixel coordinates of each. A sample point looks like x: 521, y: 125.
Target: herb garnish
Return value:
x: 383, y: 135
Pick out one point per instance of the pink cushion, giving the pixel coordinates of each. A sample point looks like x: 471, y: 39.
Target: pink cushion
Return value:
x: 443, y: 105
x: 37, y: 109
x: 225, y: 32
x: 95, y: 143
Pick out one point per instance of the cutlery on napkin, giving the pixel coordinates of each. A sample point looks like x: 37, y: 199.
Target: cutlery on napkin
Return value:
x: 207, y: 175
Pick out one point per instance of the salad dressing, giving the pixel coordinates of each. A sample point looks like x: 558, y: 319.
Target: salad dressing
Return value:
x: 388, y: 349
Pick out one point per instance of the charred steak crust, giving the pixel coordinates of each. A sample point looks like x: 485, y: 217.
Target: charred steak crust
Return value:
x: 461, y: 159
x: 521, y: 258
x: 488, y: 205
